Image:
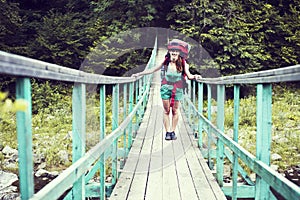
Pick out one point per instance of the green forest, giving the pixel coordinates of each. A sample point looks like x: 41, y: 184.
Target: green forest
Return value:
x: 239, y: 35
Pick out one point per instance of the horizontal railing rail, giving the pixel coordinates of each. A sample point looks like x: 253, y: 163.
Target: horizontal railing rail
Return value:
x: 285, y: 74
x: 11, y: 64
x: 85, y: 164
x: 266, y: 177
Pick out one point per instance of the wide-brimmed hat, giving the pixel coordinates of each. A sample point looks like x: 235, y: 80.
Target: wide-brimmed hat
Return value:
x: 180, y: 45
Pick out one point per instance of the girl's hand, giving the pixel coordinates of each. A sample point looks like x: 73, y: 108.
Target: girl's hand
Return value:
x: 136, y: 75
x: 197, y: 77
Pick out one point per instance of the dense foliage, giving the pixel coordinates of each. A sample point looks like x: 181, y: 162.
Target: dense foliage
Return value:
x: 241, y: 36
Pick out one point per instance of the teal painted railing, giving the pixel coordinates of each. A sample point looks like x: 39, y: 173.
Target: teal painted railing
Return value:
x: 135, y: 91
x: 259, y: 164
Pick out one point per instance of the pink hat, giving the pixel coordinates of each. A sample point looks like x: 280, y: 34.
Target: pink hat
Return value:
x: 180, y: 45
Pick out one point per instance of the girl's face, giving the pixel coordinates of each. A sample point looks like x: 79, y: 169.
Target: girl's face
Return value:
x: 174, y: 53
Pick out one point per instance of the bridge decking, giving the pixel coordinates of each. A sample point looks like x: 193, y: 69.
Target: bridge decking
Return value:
x: 159, y: 169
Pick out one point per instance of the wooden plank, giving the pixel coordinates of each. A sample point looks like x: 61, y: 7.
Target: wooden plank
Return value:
x: 125, y: 181
x: 154, y: 184
x: 139, y: 183
x: 185, y: 180
x: 127, y: 173
x: 207, y: 173
x: 170, y: 182
x: 201, y: 184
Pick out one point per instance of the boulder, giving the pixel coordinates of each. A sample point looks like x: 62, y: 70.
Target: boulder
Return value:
x: 7, y: 191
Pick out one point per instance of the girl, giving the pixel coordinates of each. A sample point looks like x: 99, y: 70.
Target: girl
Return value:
x: 171, y: 91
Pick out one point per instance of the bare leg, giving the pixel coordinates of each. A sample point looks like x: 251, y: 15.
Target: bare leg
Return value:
x: 166, y: 119
x: 175, y: 115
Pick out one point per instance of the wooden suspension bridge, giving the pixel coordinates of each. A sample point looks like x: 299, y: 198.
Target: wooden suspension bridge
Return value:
x: 147, y: 166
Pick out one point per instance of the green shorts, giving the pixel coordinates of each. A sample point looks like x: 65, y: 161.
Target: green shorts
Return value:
x: 166, y: 92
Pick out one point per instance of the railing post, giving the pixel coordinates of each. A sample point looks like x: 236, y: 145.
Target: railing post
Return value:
x: 115, y: 124
x: 235, y: 138
x: 220, y: 126
x: 131, y: 94
x: 209, y: 134
x: 194, y: 102
x: 263, y: 135
x: 145, y: 87
x: 135, y: 128
x: 200, y: 110
x: 24, y: 132
x: 102, y: 136
x: 78, y: 134
x: 140, y: 110
x: 189, y: 106
x: 194, y: 92
x: 124, y: 117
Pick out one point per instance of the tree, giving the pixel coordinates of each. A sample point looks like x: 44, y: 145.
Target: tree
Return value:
x: 9, y: 24
x: 242, y: 36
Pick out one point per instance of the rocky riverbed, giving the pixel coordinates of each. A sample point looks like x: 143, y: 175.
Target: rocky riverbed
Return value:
x: 9, y: 181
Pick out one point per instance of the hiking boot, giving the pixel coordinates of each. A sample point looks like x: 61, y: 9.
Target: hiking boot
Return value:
x: 168, y: 136
x: 173, y: 136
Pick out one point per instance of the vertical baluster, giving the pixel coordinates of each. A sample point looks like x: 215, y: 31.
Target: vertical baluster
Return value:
x: 140, y: 110
x: 194, y: 103
x: 194, y: 92
x: 263, y: 134
x: 137, y: 112
x: 200, y: 110
x: 24, y: 132
x: 125, y: 114
x: 102, y: 136
x: 131, y: 94
x: 78, y: 134
x: 145, y: 87
x: 115, y: 124
x: 210, y: 164
x: 220, y: 126
x: 235, y: 138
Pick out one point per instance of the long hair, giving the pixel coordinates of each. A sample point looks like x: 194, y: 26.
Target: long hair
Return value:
x: 179, y: 65
x: 179, y: 62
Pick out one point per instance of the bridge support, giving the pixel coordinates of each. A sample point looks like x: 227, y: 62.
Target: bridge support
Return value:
x: 220, y: 126
x: 200, y: 110
x: 235, y: 138
x: 263, y: 135
x: 78, y: 134
x: 24, y: 132
x: 102, y: 136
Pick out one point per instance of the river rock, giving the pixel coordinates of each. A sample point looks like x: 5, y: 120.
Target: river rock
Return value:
x: 6, y: 179
x: 63, y: 156
x: 7, y: 191
x: 9, y: 152
x: 38, y: 158
x: 10, y: 196
x: 275, y: 157
x: 47, y: 174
